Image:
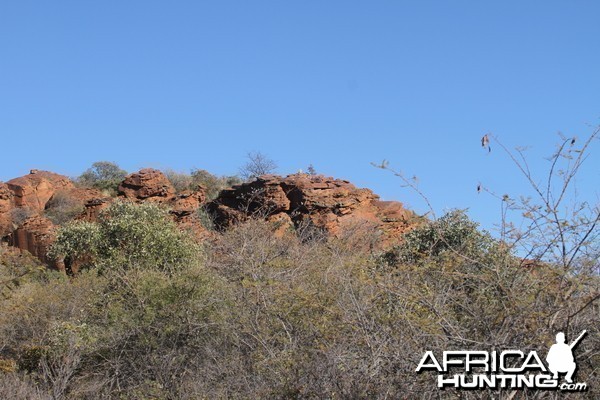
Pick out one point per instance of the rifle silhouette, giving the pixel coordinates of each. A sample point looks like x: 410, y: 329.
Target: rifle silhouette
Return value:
x: 578, y: 339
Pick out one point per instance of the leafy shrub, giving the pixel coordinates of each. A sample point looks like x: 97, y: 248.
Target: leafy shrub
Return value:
x: 213, y: 184
x: 453, y: 233
x: 103, y: 175
x: 206, y: 218
x: 126, y: 235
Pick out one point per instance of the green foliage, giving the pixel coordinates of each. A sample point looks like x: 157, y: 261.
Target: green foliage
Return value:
x: 452, y: 233
x: 76, y: 239
x: 103, y: 175
x: 262, y: 316
x: 16, y: 268
x: 126, y: 235
x: 213, y: 184
x: 206, y: 218
x: 287, y: 315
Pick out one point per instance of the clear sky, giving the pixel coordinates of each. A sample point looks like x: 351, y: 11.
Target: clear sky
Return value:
x: 183, y: 84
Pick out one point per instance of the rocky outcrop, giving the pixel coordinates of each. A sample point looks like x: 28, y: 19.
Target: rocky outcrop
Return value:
x: 186, y: 203
x: 82, y: 195
x: 46, y: 192
x: 29, y: 197
x: 265, y: 194
x: 92, y: 208
x: 33, y: 191
x: 152, y: 185
x: 73, y: 200
x: 147, y: 185
x: 313, y: 204
x: 328, y: 204
x: 184, y: 209
x: 395, y: 219
x: 6, y: 197
x: 36, y: 235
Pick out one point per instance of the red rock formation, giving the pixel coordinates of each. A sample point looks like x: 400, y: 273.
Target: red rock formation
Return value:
x: 264, y: 195
x: 148, y: 185
x: 184, y: 209
x: 395, y: 219
x: 325, y: 203
x: 93, y: 207
x: 282, y: 224
x: 186, y: 203
x: 36, y: 235
x: 83, y: 195
x: 6, y: 197
x: 333, y: 206
x: 75, y: 198
x: 34, y: 190
x: 40, y: 190
x: 152, y: 185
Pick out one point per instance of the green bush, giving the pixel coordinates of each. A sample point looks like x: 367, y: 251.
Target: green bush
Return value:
x: 453, y: 233
x: 212, y: 183
x: 103, y: 175
x: 126, y: 235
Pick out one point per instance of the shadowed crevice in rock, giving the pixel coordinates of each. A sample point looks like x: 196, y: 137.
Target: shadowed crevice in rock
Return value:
x: 323, y: 202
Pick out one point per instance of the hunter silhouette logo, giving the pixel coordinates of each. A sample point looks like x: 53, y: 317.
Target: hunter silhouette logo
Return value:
x: 560, y: 357
x: 507, y: 369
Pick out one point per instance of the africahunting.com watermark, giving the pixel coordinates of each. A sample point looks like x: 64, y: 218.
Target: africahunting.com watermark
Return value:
x: 509, y: 369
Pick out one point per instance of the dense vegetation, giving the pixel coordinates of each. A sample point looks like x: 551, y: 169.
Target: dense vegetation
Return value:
x: 154, y: 315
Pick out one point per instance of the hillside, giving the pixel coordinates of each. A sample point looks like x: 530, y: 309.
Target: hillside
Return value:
x: 157, y: 285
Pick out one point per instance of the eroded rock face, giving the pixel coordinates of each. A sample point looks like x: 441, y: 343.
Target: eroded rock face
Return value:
x: 265, y: 194
x: 35, y: 194
x: 36, y: 235
x: 184, y: 210
x: 148, y: 185
x: 93, y: 207
x: 43, y: 192
x: 331, y: 205
x: 83, y: 195
x: 186, y: 203
x: 152, y: 185
x: 304, y: 202
x: 6, y: 197
x: 33, y: 191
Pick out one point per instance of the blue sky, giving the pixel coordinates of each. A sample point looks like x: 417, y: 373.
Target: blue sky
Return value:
x: 334, y: 83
